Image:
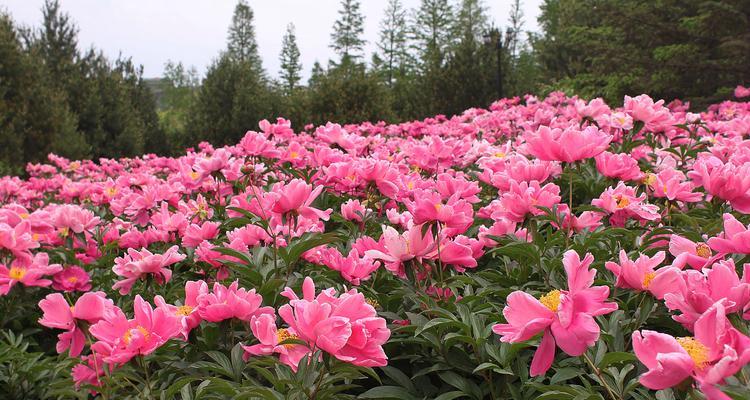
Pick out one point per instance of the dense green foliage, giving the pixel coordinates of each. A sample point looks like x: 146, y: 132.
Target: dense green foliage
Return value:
x: 691, y: 49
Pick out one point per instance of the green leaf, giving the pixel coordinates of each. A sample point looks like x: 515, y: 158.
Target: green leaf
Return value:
x: 616, y: 357
x: 387, y: 392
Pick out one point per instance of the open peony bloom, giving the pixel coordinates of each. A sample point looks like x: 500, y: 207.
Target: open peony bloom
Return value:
x: 230, y: 302
x: 697, y: 291
x: 140, y: 264
x: 397, y: 248
x: 618, y: 166
x: 716, y: 352
x: 642, y: 274
x: 347, y: 327
x: 734, y: 240
x: 121, y: 339
x: 565, y: 317
x: 729, y: 182
x: 568, y: 145
x: 28, y: 272
x: 623, y: 204
x: 89, y: 308
x: 188, y: 311
x: 687, y: 252
x: 71, y: 279
x: 296, y: 197
x: 264, y: 329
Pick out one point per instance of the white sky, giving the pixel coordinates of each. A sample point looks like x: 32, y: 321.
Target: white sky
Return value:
x: 194, y: 31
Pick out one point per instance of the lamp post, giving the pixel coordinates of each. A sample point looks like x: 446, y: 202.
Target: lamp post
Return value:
x: 494, y: 38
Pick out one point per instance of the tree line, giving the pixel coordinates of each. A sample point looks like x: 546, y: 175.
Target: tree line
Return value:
x: 442, y: 57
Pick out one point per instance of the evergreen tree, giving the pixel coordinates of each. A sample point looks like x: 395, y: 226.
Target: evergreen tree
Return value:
x: 393, y: 40
x: 471, y: 20
x: 432, y: 31
x: 241, y: 42
x: 346, y: 38
x: 693, y: 49
x: 290, y: 63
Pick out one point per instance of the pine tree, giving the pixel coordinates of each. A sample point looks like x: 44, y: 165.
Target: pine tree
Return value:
x: 393, y: 40
x: 289, y: 58
x: 241, y: 43
x: 432, y: 31
x: 471, y: 20
x: 346, y: 38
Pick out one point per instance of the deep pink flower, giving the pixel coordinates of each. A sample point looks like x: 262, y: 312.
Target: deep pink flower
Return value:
x: 642, y: 274
x: 140, y: 264
x: 717, y: 351
x: 296, y: 196
x: 728, y: 181
x: 397, y: 248
x: 568, y: 145
x: 121, y: 339
x: 230, y: 302
x: 195, y: 234
x: 27, y: 271
x: 735, y: 239
x: 264, y: 329
x: 566, y: 317
x: 89, y: 308
x: 685, y: 251
x: 188, y: 312
x: 618, y: 166
x: 71, y: 279
x: 347, y: 327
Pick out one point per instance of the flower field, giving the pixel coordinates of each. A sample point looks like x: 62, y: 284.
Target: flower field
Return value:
x: 551, y: 248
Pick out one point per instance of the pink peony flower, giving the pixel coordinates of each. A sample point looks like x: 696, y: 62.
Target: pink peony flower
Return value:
x: 141, y: 264
x: 27, y: 271
x: 717, y: 351
x: 685, y: 251
x: 642, y: 274
x: 566, y: 317
x: 230, y: 302
x: 296, y: 196
x: 347, y: 327
x: 618, y: 166
x: 264, y: 329
x: 188, y: 312
x: 735, y: 239
x: 71, y: 279
x: 120, y: 339
x: 567, y: 145
x: 89, y: 308
x: 397, y: 248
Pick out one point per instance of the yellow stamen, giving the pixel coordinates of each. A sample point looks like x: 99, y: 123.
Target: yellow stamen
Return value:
x: 438, y: 206
x: 64, y: 231
x: 703, y: 250
x: 551, y: 300
x: 374, y: 303
x: 184, y: 310
x: 17, y: 273
x: 622, y: 201
x: 72, y: 279
x: 293, y: 155
x: 647, y: 279
x: 23, y: 215
x: 410, y: 185
x: 111, y: 191
x: 194, y: 175
x: 284, y: 334
x: 499, y: 154
x: 649, y: 179
x: 128, y: 336
x: 696, y: 350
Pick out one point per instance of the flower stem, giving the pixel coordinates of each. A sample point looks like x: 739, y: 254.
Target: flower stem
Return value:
x: 601, y: 379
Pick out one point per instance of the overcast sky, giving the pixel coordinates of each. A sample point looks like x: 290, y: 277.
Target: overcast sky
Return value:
x: 194, y: 31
